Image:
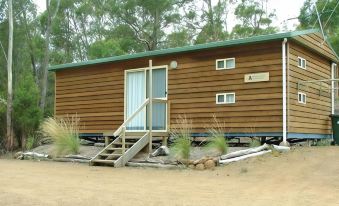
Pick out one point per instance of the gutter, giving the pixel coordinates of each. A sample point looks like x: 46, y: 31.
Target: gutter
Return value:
x: 284, y: 85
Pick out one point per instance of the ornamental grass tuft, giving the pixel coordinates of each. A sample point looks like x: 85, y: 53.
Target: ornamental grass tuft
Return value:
x: 64, y: 132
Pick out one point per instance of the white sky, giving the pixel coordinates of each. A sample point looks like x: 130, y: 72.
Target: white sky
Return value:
x: 284, y: 9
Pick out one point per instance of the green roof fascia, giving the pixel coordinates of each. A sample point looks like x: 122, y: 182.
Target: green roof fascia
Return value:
x: 197, y: 47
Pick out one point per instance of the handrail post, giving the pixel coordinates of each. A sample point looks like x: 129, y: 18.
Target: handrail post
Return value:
x: 150, y: 109
x: 123, y: 145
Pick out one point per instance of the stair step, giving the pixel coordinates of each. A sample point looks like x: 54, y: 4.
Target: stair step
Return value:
x: 126, y: 143
x: 111, y: 162
x: 132, y: 137
x: 115, y: 148
x: 110, y: 155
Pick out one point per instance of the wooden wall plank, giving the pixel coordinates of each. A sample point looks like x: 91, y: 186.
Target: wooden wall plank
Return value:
x: 96, y: 93
x: 312, y: 117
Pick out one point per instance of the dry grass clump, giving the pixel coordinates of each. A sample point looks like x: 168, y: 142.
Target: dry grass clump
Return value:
x: 181, y: 134
x: 217, y: 137
x: 64, y: 132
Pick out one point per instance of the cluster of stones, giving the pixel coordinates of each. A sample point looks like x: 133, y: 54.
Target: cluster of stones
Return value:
x: 204, y: 163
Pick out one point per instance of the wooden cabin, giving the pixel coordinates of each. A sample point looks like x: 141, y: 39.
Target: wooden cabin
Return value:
x: 276, y: 85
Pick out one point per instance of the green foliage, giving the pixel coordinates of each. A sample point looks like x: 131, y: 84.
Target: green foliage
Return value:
x: 254, y: 19
x: 105, y: 48
x: 64, y: 133
x: 217, y: 138
x: 254, y: 143
x: 178, y: 39
x: 308, y: 19
x: 323, y: 142
x: 147, y: 19
x: 32, y: 141
x: 26, y: 112
x: 181, y: 134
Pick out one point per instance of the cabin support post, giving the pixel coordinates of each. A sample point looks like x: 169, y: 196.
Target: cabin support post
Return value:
x: 150, y: 109
x: 284, y: 84
x: 107, y: 140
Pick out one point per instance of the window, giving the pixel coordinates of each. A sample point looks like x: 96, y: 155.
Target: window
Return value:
x: 301, y: 63
x: 301, y: 97
x: 225, y: 98
x: 225, y: 63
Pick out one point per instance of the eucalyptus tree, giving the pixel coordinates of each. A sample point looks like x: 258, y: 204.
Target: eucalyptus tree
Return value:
x: 254, y: 19
x: 329, y: 18
x: 149, y: 20
x: 9, y: 126
x: 52, y: 10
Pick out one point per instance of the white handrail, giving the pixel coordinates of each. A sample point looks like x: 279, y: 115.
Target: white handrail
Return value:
x: 118, y: 131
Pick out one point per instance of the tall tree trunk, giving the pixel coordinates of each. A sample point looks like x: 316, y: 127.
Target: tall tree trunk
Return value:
x: 46, y: 59
x: 10, y: 139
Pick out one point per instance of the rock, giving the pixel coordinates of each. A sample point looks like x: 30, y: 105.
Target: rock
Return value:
x: 209, y: 164
x: 216, y: 161
x: 161, y: 151
x: 86, y: 142
x: 201, y: 161
x: 18, y: 155
x: 286, y: 144
x: 200, y: 166
x: 185, y: 162
x: 191, y: 166
x: 99, y: 144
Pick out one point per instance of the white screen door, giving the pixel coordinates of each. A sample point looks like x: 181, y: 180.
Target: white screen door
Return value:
x: 135, y: 97
x: 136, y: 94
x: 159, y: 117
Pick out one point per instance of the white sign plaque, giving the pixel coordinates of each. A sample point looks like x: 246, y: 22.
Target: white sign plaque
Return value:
x: 257, y: 77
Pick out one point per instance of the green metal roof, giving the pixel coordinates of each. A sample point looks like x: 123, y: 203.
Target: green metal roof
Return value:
x: 197, y: 47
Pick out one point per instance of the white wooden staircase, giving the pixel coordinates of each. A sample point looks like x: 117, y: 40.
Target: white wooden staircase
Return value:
x: 123, y: 148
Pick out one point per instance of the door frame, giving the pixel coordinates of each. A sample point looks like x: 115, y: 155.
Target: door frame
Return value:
x: 145, y: 90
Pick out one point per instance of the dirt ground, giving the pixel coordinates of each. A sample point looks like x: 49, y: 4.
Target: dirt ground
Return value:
x: 304, y: 176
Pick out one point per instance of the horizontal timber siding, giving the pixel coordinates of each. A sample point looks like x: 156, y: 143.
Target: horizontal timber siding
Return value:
x: 316, y: 42
x: 96, y: 93
x: 312, y: 117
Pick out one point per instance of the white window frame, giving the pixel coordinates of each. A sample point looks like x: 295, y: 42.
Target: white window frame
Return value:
x: 301, y: 60
x: 225, y: 65
x: 303, y: 97
x: 225, y: 99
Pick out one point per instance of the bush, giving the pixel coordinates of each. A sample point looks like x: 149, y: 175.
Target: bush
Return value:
x: 217, y: 138
x: 26, y: 112
x: 64, y: 133
x: 181, y: 134
x: 323, y: 142
x: 255, y: 143
x: 32, y: 142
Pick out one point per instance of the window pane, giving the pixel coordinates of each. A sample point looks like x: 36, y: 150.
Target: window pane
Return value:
x: 230, y: 63
x: 221, y: 98
x: 221, y: 64
x: 299, y: 62
x: 230, y: 98
x: 303, y: 63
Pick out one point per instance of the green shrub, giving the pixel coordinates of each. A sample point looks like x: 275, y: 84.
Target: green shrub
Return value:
x: 32, y: 142
x: 181, y: 134
x: 217, y: 138
x: 323, y: 142
x: 255, y: 143
x: 64, y: 133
